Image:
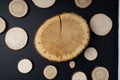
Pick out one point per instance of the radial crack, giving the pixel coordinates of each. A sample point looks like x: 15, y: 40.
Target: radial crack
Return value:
x: 60, y: 24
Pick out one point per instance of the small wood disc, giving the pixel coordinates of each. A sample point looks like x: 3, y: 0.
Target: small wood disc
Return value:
x: 25, y: 66
x: 101, y: 24
x: 63, y: 37
x: 100, y: 73
x: 2, y: 24
x: 72, y: 64
x: 44, y: 3
x: 83, y: 3
x: 16, y: 38
x: 18, y: 8
x: 50, y: 72
x: 79, y: 76
x: 90, y: 54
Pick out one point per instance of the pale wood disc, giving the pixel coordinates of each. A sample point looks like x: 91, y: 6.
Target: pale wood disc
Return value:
x: 18, y: 8
x: 83, y: 3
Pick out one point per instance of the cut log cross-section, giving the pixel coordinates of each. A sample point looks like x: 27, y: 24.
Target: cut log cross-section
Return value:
x: 62, y: 37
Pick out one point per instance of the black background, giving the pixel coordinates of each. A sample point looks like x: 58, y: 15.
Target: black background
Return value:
x: 107, y: 46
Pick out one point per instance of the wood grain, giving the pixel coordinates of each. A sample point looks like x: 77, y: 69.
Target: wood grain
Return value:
x: 62, y: 37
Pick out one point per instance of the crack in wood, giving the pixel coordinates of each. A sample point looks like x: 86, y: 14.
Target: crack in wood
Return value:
x: 60, y: 20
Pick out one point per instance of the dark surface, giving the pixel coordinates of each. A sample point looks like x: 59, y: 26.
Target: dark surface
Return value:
x: 107, y: 46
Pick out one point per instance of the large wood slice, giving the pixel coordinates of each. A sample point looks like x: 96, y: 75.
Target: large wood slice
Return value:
x: 62, y: 37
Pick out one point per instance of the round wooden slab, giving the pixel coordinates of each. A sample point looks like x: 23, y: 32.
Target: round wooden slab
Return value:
x: 25, y: 66
x: 90, y: 53
x: 83, y: 3
x: 101, y: 24
x: 16, y: 38
x: 62, y: 37
x: 100, y: 73
x: 50, y: 72
x: 2, y: 25
x: 72, y: 64
x: 18, y: 8
x: 79, y: 76
x: 44, y: 3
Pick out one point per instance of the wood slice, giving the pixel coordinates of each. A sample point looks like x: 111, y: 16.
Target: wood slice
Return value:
x: 62, y: 37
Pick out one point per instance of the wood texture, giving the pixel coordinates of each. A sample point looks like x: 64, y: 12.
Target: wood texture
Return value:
x: 62, y: 37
